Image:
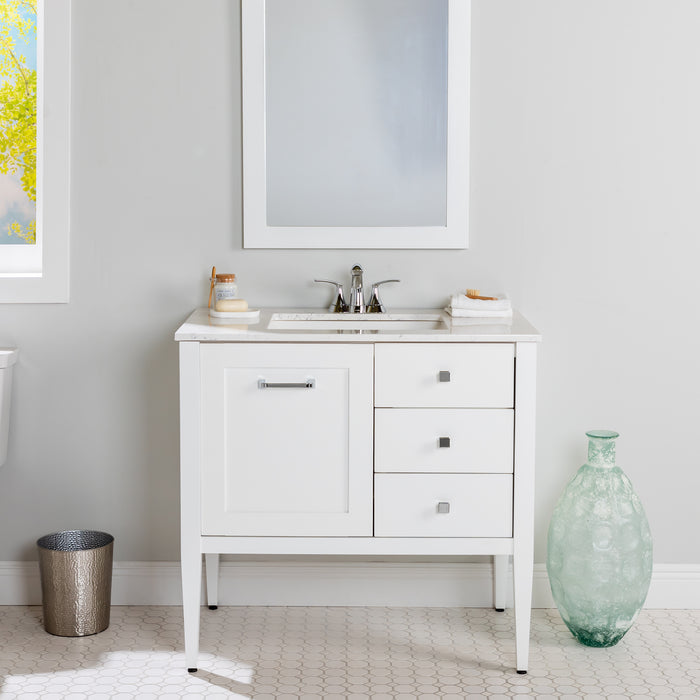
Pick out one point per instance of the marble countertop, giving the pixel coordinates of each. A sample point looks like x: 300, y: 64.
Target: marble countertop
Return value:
x: 200, y: 327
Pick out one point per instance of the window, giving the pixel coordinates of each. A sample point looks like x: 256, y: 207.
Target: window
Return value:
x: 34, y: 150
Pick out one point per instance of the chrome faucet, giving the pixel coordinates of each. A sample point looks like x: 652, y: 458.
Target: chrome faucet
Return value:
x: 356, y: 304
x: 357, y: 295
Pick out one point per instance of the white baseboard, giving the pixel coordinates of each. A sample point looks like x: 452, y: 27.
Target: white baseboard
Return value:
x: 337, y: 583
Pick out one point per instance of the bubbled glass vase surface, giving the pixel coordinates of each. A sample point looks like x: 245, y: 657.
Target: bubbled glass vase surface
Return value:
x: 599, y: 548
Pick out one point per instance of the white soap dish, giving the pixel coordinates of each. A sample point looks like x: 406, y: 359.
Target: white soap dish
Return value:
x: 250, y: 316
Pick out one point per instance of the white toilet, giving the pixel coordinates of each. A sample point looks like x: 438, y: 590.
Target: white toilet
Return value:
x: 8, y: 357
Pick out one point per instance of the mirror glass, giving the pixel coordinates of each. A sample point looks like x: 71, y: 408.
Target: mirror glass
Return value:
x: 356, y: 112
x: 355, y: 123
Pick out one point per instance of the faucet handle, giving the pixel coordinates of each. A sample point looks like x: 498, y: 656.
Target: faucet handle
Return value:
x: 375, y: 305
x: 339, y: 305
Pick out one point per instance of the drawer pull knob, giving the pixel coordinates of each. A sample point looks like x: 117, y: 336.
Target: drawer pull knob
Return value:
x: 443, y: 442
x: 443, y: 376
x: 443, y: 507
x: 308, y: 384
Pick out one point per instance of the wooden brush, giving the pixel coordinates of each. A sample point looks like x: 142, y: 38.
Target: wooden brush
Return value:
x: 211, y: 288
x: 474, y: 294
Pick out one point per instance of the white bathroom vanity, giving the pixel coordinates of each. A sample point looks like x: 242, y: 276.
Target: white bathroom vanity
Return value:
x: 392, y: 434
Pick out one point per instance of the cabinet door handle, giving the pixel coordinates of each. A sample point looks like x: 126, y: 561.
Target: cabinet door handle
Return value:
x: 443, y: 376
x: 443, y: 507
x: 443, y: 442
x: 308, y: 384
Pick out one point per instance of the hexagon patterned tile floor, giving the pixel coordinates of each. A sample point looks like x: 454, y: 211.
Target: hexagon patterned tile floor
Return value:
x: 344, y: 653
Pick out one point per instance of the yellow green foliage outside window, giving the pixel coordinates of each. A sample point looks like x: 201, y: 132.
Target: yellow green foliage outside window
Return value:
x: 18, y: 120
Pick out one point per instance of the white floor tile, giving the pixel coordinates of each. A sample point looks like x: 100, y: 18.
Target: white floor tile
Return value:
x: 344, y: 654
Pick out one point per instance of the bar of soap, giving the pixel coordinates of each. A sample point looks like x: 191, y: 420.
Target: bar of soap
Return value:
x: 231, y: 305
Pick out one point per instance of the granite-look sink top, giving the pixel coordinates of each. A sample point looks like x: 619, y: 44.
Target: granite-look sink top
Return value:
x: 357, y: 322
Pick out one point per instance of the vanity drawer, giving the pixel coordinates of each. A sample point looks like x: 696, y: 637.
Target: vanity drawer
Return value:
x: 406, y: 505
x: 435, y: 375
x: 443, y: 440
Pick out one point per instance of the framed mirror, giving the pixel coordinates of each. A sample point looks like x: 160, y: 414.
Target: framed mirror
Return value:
x: 355, y: 123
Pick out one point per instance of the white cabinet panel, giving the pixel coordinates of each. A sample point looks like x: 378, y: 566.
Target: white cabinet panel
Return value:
x: 433, y: 375
x: 443, y: 440
x: 443, y: 505
x: 287, y: 440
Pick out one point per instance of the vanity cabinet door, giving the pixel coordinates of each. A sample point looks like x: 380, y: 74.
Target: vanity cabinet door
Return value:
x: 287, y: 439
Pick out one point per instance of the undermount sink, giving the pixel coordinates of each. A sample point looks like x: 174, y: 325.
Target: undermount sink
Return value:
x: 428, y: 321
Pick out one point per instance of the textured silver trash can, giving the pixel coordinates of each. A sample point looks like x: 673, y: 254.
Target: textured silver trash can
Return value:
x: 76, y: 581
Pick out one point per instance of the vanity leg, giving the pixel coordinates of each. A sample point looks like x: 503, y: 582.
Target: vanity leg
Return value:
x: 191, y: 594
x: 523, y: 497
x: 212, y: 574
x: 500, y: 581
x: 190, y: 517
x: 522, y: 599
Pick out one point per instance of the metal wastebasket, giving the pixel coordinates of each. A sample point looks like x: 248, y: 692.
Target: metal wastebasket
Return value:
x: 76, y: 581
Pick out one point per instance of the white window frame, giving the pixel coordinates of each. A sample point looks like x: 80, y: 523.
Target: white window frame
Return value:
x: 46, y: 278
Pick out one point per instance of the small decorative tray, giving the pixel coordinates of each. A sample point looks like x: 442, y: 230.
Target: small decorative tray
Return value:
x: 250, y: 316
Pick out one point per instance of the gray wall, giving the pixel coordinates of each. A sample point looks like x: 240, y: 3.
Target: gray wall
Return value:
x: 584, y: 208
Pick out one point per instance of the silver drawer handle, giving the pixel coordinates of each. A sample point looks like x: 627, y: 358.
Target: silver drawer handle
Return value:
x: 443, y: 376
x: 443, y: 507
x: 308, y: 384
x: 443, y: 442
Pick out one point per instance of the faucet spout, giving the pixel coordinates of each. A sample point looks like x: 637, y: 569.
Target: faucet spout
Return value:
x: 357, y: 295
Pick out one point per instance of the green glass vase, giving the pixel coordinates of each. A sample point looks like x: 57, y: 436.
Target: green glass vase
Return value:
x: 599, y: 548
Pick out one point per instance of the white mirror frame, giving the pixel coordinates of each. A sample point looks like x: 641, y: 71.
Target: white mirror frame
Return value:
x: 258, y: 234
